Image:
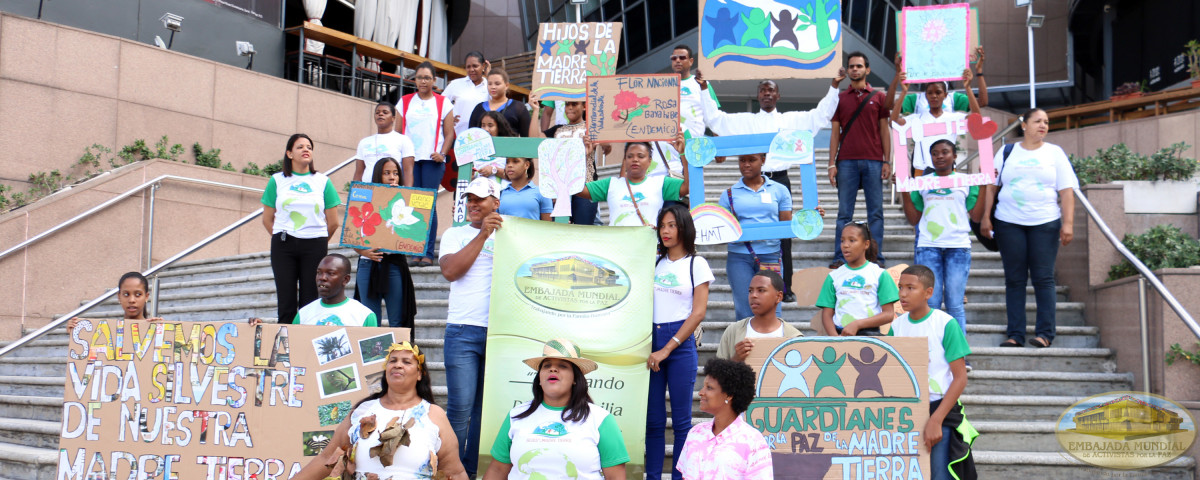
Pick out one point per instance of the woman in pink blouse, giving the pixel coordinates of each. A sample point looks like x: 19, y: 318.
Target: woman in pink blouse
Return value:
x: 726, y: 448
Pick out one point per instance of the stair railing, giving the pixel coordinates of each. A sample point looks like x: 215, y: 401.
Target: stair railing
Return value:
x: 152, y: 272
x: 1146, y: 277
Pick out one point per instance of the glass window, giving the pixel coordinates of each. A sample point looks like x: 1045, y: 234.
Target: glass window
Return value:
x: 686, y: 16
x: 612, y: 10
x: 635, y: 32
x: 660, y: 23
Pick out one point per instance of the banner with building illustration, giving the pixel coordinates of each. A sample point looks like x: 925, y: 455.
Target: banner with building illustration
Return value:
x: 567, y: 53
x: 591, y: 285
x: 210, y: 399
x: 835, y: 408
x: 755, y: 39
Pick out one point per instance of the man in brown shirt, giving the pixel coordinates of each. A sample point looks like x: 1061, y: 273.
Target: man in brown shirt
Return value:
x: 860, y: 151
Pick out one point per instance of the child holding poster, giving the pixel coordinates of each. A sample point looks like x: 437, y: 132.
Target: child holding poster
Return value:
x: 943, y: 234
x: 583, y: 212
x: 857, y: 297
x: 636, y: 198
x: 935, y: 92
x: 946, y: 434
x: 133, y: 292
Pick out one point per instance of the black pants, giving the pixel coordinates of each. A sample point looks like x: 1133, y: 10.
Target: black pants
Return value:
x: 294, y: 260
x: 784, y: 244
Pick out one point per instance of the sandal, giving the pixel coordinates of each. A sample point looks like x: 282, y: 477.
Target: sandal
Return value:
x: 1039, y: 342
x: 1010, y: 343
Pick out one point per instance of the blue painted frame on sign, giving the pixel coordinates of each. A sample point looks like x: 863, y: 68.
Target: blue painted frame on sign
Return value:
x: 743, y: 145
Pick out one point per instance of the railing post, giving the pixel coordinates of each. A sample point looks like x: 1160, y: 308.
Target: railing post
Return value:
x: 150, y: 229
x: 153, y: 296
x: 1144, y: 324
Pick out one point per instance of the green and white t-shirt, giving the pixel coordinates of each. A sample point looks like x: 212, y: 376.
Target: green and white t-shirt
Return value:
x: 944, y: 216
x: 946, y: 344
x: 650, y: 194
x: 300, y: 202
x: 349, y: 313
x: 917, y: 103
x: 542, y: 445
x: 691, y: 112
x: 857, y: 293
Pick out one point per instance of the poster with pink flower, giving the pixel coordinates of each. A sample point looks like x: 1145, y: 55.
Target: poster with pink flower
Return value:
x: 392, y: 219
x: 935, y: 41
x: 633, y: 108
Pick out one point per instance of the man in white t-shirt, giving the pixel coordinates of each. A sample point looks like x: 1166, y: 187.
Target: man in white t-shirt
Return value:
x: 333, y: 307
x: 766, y: 291
x: 385, y: 143
x: 466, y: 261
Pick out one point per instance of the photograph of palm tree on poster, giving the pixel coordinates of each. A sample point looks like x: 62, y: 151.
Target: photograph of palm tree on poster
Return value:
x: 332, y: 346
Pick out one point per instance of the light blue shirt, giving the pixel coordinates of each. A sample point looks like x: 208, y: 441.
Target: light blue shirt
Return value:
x: 757, y: 206
x: 527, y: 202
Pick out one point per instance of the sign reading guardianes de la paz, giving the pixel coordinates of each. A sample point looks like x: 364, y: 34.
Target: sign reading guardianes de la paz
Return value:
x: 590, y: 285
x: 842, y: 407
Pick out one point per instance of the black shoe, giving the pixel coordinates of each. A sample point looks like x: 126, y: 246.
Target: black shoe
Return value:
x: 836, y: 264
x: 789, y: 297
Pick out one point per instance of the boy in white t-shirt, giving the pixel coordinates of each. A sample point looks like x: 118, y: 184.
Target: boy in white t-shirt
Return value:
x: 333, y: 307
x: 766, y: 292
x: 947, y: 434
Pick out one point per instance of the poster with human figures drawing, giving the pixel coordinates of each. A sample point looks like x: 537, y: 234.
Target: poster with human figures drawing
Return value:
x: 849, y: 407
x: 935, y: 41
x: 392, y: 219
x: 756, y: 39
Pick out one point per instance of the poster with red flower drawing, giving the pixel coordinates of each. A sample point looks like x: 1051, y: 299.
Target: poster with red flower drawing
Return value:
x: 935, y: 41
x: 392, y: 219
x: 627, y: 108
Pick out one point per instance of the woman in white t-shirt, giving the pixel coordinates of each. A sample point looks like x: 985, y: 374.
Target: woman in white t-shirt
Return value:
x: 402, y: 406
x: 935, y: 93
x: 636, y: 198
x: 681, y: 281
x: 386, y: 142
x: 300, y: 212
x: 586, y: 441
x: 1035, y: 213
x: 428, y: 120
x: 468, y: 91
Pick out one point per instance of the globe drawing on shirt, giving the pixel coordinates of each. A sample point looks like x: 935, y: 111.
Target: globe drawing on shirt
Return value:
x: 1019, y: 185
x: 856, y: 281
x: 568, y: 467
x: 639, y: 196
x: 667, y: 280
x: 807, y: 224
x: 934, y: 228
x: 551, y: 429
x: 331, y: 320
x: 685, y: 91
x: 300, y: 188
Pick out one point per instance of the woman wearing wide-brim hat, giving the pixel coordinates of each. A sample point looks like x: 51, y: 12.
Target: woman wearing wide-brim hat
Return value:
x: 586, y: 437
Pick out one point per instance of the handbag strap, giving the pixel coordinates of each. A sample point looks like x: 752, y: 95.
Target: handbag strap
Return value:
x: 665, y: 160
x: 750, y: 248
x: 633, y: 198
x: 853, y: 117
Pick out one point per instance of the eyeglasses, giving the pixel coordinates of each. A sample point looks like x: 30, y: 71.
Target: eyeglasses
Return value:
x: 424, y: 79
x: 679, y: 57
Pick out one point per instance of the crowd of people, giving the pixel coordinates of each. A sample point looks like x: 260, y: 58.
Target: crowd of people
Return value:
x: 1027, y: 214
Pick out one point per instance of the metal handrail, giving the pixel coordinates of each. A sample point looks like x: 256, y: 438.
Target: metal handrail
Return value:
x: 152, y: 271
x: 112, y: 201
x: 1146, y: 276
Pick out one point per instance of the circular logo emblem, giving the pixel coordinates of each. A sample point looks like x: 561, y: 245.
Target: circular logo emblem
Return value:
x: 572, y: 282
x: 1126, y: 430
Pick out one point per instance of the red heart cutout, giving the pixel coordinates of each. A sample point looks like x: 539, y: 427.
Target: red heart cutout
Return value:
x: 980, y: 128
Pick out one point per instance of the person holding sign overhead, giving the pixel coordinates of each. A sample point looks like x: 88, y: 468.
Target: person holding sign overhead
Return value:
x: 769, y: 120
x: 583, y: 212
x: 635, y: 199
x: 428, y: 119
x: 403, y: 408
x: 957, y: 102
x: 934, y: 91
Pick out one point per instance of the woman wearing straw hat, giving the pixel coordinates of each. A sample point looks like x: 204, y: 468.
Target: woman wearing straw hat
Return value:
x: 397, y: 432
x: 587, y: 439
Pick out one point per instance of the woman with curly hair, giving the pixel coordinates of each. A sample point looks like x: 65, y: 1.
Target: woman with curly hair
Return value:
x: 726, y: 448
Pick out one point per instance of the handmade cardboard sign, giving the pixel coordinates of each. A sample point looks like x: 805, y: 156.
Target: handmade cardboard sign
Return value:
x: 793, y: 147
x: 567, y: 53
x: 626, y: 108
x: 715, y: 224
x: 742, y: 39
x: 936, y: 42
x: 973, y: 25
x: 561, y: 163
x: 473, y: 145
x: 978, y: 127
x: 835, y: 408
x: 210, y: 400
x: 392, y: 219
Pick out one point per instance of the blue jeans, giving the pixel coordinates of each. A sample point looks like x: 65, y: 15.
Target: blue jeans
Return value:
x: 394, y: 296
x: 583, y: 211
x: 740, y: 268
x: 853, y: 175
x: 463, y: 352
x: 428, y: 174
x: 677, y: 373
x: 939, y: 456
x: 950, y: 268
x: 1029, y: 252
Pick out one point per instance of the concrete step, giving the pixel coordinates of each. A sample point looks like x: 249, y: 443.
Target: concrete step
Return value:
x: 45, y: 408
x: 1016, y: 436
x: 34, y: 433
x: 1001, y: 382
x: 1068, y: 337
x: 1078, y: 360
x: 42, y: 366
x: 49, y: 345
x: 33, y: 386
x: 1016, y: 408
x: 1056, y: 465
x: 18, y: 461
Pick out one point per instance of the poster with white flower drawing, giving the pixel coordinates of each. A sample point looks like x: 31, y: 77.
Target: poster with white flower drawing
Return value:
x: 392, y: 219
x: 935, y: 41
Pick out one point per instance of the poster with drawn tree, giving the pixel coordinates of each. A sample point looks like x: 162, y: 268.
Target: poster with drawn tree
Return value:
x: 756, y: 39
x: 392, y: 219
x: 935, y: 41
x: 567, y: 53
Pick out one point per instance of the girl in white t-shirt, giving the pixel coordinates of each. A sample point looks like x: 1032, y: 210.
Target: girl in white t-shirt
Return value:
x: 636, y: 198
x: 681, y: 282
x: 935, y: 92
x: 428, y: 120
x: 1035, y: 214
x: 857, y: 297
x: 386, y: 142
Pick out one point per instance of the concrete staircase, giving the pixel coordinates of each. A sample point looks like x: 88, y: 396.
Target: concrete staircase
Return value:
x: 1014, y: 395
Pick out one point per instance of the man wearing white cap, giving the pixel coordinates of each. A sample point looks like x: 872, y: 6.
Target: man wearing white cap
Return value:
x: 466, y: 261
